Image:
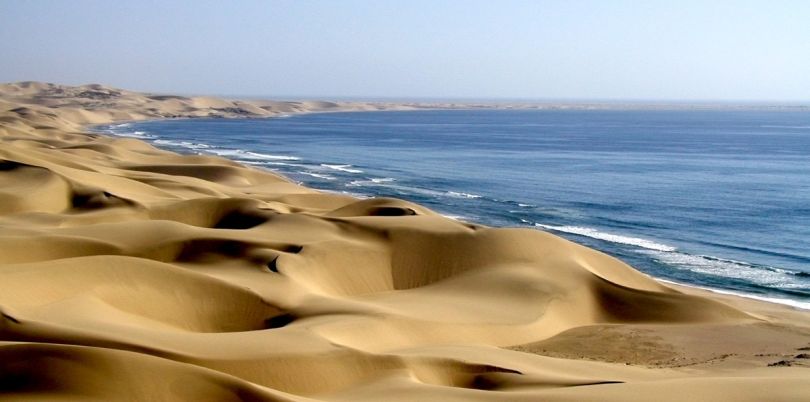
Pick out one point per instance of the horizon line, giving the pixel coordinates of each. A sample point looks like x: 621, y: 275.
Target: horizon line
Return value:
x: 527, y: 100
x: 575, y: 100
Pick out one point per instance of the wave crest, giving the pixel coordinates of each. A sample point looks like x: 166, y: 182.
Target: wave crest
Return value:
x: 613, y: 238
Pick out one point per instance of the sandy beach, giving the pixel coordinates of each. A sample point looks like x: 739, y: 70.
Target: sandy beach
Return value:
x: 132, y: 273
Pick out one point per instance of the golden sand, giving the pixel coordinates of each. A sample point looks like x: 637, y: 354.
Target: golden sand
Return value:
x: 133, y: 273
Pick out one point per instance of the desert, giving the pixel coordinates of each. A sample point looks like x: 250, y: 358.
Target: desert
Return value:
x: 128, y: 272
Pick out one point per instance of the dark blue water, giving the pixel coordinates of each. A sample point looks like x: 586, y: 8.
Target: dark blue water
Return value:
x: 718, y: 199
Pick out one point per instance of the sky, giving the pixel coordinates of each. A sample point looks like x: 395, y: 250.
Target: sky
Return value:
x: 609, y: 50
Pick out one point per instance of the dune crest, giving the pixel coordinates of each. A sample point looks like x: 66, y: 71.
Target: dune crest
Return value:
x: 132, y: 273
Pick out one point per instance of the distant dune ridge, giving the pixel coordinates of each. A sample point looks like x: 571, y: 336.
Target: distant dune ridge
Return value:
x: 132, y: 273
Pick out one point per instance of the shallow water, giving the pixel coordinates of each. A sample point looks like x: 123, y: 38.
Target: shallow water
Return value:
x: 717, y: 199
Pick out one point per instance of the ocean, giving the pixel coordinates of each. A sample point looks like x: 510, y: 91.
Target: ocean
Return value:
x: 712, y: 199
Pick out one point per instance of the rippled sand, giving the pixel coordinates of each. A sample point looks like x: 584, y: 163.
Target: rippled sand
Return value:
x: 132, y: 273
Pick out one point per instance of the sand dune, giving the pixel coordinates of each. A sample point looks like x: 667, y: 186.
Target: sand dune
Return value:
x: 132, y: 273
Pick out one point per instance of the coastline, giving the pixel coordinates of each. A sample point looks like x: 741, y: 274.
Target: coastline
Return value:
x: 194, y: 150
x: 369, y: 296
x: 792, y: 304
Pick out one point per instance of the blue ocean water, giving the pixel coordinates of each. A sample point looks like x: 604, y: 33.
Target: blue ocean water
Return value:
x: 715, y: 199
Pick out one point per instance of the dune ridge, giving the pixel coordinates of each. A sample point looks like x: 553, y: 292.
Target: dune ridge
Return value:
x: 132, y: 273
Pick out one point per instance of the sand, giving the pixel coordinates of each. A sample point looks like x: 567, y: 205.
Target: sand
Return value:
x: 132, y: 273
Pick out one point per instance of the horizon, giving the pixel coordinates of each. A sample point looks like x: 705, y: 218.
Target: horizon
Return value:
x: 619, y: 51
x: 493, y: 100
x: 650, y: 101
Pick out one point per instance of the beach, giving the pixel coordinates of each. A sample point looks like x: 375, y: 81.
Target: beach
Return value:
x: 128, y: 272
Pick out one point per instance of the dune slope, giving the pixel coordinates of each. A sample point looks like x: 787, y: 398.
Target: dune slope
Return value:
x: 132, y: 273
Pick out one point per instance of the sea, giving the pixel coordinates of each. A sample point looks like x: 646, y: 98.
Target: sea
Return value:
x: 716, y: 199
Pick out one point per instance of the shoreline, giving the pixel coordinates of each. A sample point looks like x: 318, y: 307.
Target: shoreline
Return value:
x: 795, y: 304
x: 132, y: 272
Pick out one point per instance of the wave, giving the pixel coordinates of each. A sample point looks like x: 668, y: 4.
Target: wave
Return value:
x: 613, y: 238
x: 784, y: 126
x: 249, y: 155
x: 269, y: 163
x: 378, y: 180
x: 778, y: 300
x: 373, y: 181
x: 134, y: 134
x: 762, y: 275
x: 458, y: 194
x: 183, y: 144
x: 753, y: 273
x: 418, y: 190
x: 778, y: 279
x: 794, y: 257
x: 318, y: 175
x: 342, y: 168
x: 389, y: 183
x: 460, y: 218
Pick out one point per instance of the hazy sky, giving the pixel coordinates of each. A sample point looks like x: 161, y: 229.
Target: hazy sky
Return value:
x: 757, y: 50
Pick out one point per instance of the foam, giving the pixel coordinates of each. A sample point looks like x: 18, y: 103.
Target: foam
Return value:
x: 777, y: 300
x: 249, y: 155
x: 714, y: 266
x: 613, y: 238
x: 419, y: 190
x: 318, y: 175
x: 134, y: 134
x: 458, y: 194
x: 383, y: 180
x: 360, y: 196
x: 374, y: 181
x: 388, y: 183
x: 276, y: 163
x: 183, y: 144
x: 702, y: 264
x: 342, y: 168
